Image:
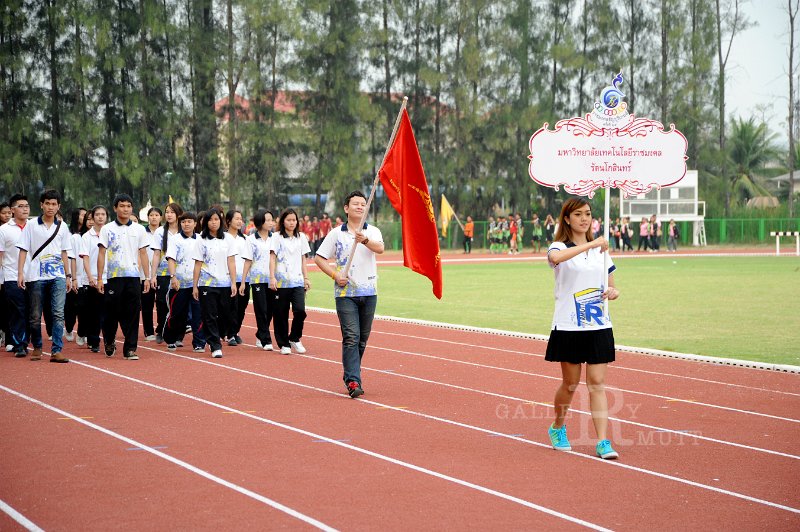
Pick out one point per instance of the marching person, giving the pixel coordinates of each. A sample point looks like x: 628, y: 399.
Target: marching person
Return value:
x: 259, y: 276
x: 180, y: 255
x: 355, y: 294
x: 48, y: 274
x: 123, y: 251
x: 214, y: 278
x: 159, y: 276
x: 243, y: 258
x: 581, y: 333
x: 149, y: 298
x: 289, y: 277
x: 91, y: 312
x: 15, y: 296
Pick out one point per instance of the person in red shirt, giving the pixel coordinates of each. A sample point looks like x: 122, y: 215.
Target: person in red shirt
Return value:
x: 308, y: 229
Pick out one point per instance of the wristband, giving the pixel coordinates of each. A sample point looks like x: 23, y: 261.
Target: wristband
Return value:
x: 366, y: 241
x: 333, y: 275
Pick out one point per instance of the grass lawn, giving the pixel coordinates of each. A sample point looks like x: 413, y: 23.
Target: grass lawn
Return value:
x: 735, y: 307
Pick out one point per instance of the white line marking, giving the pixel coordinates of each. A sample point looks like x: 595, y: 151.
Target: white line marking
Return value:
x: 23, y: 521
x: 617, y: 366
x: 464, y: 425
x: 180, y: 463
x: 313, y: 435
x: 745, y: 364
x: 550, y: 377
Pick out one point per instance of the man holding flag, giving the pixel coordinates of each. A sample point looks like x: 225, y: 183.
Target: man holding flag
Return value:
x: 356, y: 291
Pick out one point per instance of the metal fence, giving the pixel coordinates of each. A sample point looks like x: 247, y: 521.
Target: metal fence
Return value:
x: 718, y: 231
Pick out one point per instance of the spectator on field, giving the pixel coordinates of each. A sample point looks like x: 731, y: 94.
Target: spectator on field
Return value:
x: 644, y: 235
x: 673, y: 236
x: 655, y: 234
x: 469, y: 232
x: 549, y: 229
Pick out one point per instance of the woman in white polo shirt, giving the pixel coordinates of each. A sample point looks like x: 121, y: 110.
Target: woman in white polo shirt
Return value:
x: 581, y: 333
x: 214, y: 283
x: 289, y: 276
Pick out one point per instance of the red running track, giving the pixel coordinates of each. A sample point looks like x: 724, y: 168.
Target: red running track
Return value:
x: 450, y: 434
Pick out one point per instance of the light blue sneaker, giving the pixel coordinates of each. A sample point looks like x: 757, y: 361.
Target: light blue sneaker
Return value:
x: 605, y: 451
x: 558, y: 437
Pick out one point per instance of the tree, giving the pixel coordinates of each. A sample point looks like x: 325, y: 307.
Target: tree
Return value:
x: 751, y: 149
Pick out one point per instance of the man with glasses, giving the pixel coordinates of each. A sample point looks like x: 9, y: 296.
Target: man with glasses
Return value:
x: 9, y: 255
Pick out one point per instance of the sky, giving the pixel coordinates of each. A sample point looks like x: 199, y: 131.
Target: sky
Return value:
x: 759, y: 64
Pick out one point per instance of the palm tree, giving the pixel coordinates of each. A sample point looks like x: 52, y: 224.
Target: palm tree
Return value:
x: 751, y: 148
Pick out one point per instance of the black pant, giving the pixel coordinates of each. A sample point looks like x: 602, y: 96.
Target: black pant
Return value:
x: 240, y: 302
x: 148, y: 301
x: 467, y: 244
x: 180, y: 301
x: 90, y: 316
x: 215, y: 305
x: 296, y: 297
x: 263, y: 306
x: 123, y: 302
x: 162, y: 306
x: 70, y: 311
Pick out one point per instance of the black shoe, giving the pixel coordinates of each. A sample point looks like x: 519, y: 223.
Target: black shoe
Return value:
x: 110, y: 350
x: 354, y: 389
x: 131, y: 355
x: 238, y: 339
x: 232, y: 341
x: 95, y: 349
x: 159, y: 339
x: 21, y: 353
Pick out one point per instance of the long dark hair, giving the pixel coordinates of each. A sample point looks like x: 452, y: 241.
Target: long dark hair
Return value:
x: 91, y: 213
x: 564, y: 231
x: 174, y: 207
x: 74, y: 224
x: 282, y: 228
x: 221, y: 231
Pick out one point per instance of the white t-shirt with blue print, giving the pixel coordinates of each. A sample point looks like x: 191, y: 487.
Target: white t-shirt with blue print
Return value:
x: 363, y: 274
x: 290, y: 253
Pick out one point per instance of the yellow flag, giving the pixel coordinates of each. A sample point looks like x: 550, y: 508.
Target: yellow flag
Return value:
x: 170, y: 199
x: 446, y: 214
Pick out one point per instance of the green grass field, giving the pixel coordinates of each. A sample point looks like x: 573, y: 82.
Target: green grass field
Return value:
x: 744, y: 307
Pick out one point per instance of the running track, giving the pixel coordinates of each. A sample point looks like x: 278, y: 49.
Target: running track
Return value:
x: 451, y: 434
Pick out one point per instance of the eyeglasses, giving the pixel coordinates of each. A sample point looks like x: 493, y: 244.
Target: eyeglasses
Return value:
x: 18, y: 206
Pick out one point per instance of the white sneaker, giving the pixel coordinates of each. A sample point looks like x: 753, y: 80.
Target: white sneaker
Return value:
x: 258, y: 344
x: 216, y: 354
x: 179, y: 344
x: 150, y: 338
x: 69, y: 336
x: 298, y: 347
x: 268, y: 347
x: 9, y: 348
x: 80, y: 340
x: 286, y: 350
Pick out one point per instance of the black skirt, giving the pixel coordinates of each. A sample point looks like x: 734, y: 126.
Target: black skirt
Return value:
x: 581, y: 347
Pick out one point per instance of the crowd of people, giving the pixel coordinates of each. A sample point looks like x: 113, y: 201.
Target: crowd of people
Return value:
x: 505, y: 234
x: 106, y: 272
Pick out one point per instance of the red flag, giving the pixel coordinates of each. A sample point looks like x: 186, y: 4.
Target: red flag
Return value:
x: 406, y: 187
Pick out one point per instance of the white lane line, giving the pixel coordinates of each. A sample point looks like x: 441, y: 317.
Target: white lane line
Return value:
x: 513, y: 437
x: 536, y: 355
x: 23, y: 521
x: 583, y: 412
x: 550, y: 377
x: 312, y: 435
x: 180, y: 463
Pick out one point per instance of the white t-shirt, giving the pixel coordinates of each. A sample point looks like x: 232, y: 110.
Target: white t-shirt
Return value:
x: 214, y: 253
x: 364, y: 268
x: 578, y: 291
x: 182, y: 250
x: 155, y: 247
x: 77, y: 247
x: 48, y: 264
x: 243, y: 252
x: 290, y: 253
x: 91, y: 241
x: 122, y: 244
x: 259, y: 249
x: 9, y: 236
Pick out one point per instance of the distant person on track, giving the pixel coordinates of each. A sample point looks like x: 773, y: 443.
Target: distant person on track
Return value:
x: 536, y: 233
x: 580, y: 334
x: 549, y: 229
x: 357, y: 293
x: 673, y: 236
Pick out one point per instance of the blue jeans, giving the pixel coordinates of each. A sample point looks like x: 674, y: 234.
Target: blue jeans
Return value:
x: 55, y: 290
x: 355, y: 319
